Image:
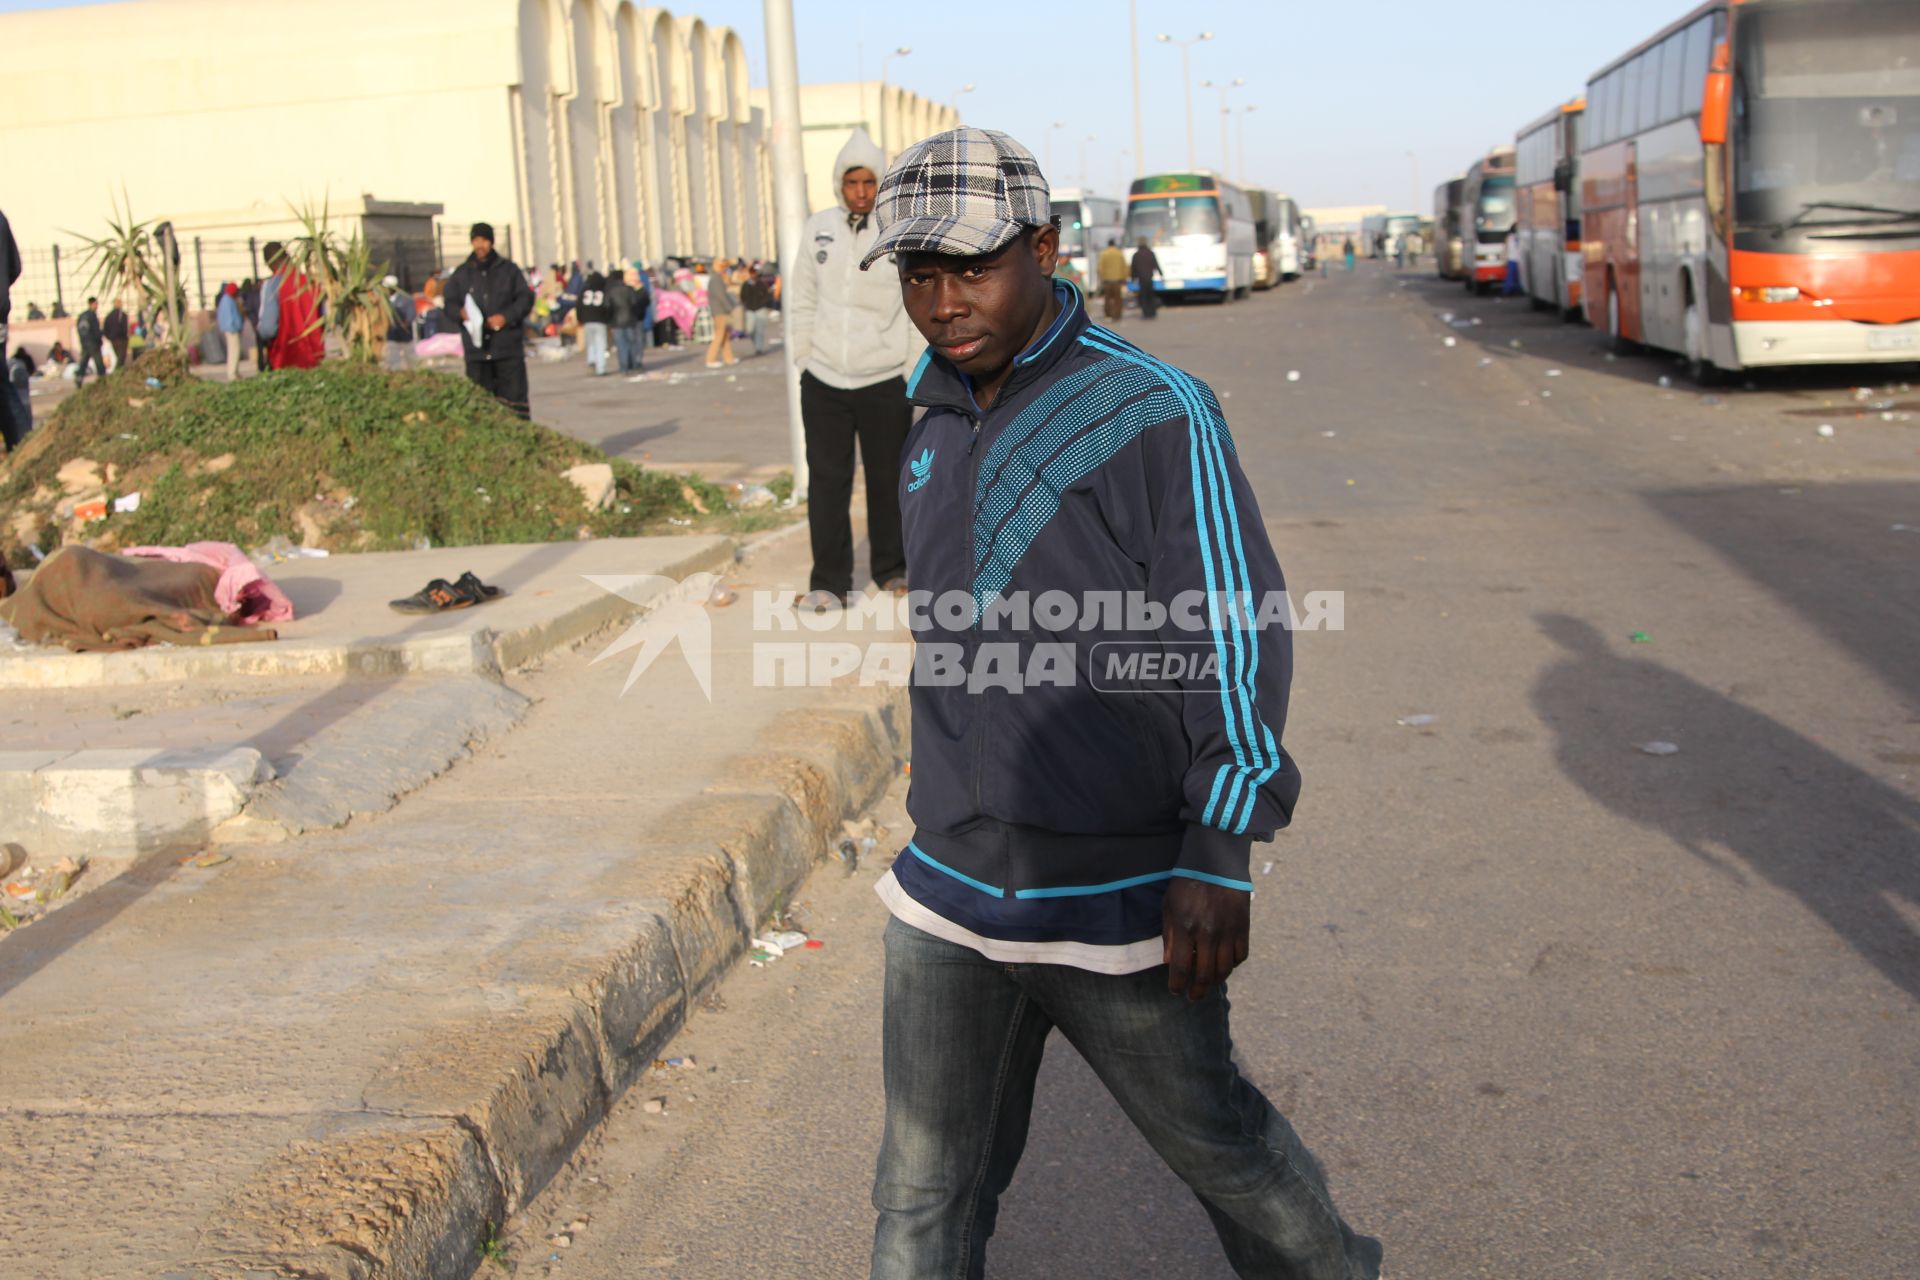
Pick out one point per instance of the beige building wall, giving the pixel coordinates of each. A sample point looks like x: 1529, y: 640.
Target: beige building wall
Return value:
x: 581, y: 128
x: 829, y: 113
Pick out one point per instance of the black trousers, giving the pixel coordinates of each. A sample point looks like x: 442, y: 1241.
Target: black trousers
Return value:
x: 878, y: 417
x: 505, y: 380
x: 1149, y: 299
x: 89, y: 356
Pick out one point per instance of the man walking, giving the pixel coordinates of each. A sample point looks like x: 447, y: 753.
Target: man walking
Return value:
x: 86, y: 332
x: 115, y: 329
x: 491, y: 331
x: 1146, y: 265
x: 854, y: 345
x: 593, y: 321
x: 1113, y: 281
x: 756, y: 302
x: 232, y: 323
x: 1080, y: 854
x: 625, y: 307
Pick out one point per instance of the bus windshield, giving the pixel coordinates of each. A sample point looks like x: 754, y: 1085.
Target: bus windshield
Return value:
x: 1495, y: 216
x: 1826, y: 111
x: 1073, y: 232
x: 1163, y: 219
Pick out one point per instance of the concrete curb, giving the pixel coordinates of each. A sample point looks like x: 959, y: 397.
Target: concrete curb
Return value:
x: 120, y: 803
x: 458, y: 1136
x: 479, y: 652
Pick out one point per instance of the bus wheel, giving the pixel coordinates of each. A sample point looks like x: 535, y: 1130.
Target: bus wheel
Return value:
x: 1700, y: 369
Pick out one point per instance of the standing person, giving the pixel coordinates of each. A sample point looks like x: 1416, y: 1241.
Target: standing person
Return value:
x: 16, y: 413
x: 1146, y: 265
x: 1511, y: 285
x: 232, y: 322
x: 16, y: 399
x: 115, y: 329
x: 854, y: 346
x: 594, y: 316
x: 497, y: 359
x: 720, y: 306
x: 1347, y: 250
x: 402, y: 312
x: 1083, y: 863
x: 1113, y: 281
x: 756, y: 300
x: 290, y: 314
x: 624, y: 309
x: 86, y: 331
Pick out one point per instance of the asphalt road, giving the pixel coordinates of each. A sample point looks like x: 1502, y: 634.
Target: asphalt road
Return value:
x: 1545, y: 1005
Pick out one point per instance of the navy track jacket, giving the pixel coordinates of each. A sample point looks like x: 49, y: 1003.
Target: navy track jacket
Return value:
x: 1098, y: 470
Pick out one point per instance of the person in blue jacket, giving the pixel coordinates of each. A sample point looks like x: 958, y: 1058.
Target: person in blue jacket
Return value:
x: 1098, y: 701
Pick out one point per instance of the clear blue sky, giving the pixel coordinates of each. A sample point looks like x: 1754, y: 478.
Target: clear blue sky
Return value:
x: 1339, y: 104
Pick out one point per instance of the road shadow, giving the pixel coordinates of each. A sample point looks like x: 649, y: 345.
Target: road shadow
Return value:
x: 1780, y: 806
x: 26, y: 951
x: 1577, y: 345
x: 619, y: 443
x: 1832, y: 552
x: 309, y: 595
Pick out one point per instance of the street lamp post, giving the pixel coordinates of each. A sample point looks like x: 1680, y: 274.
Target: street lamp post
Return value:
x: 1133, y: 37
x: 1186, y: 75
x: 1051, y: 129
x: 1226, y: 158
x: 901, y: 52
x: 789, y: 198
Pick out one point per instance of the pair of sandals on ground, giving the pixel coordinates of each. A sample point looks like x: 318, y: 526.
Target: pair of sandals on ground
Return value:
x: 441, y: 596
x: 818, y: 601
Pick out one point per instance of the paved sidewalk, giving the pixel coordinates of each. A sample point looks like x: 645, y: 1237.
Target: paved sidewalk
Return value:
x: 344, y: 1054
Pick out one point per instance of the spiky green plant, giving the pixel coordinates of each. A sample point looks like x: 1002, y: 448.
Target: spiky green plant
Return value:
x: 347, y: 278
x: 126, y: 263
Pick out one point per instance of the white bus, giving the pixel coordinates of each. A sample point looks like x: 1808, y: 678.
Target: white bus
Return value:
x: 1087, y: 222
x: 1289, y: 240
x: 1201, y: 230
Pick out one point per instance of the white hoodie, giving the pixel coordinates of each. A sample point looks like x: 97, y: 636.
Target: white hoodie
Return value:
x: 847, y: 326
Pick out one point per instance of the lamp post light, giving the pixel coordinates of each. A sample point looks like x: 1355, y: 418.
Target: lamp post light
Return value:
x: 900, y: 52
x: 1186, y: 75
x: 1226, y: 157
x: 965, y: 88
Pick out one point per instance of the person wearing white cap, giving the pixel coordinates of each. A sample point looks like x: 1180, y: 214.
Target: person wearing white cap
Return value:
x: 1082, y: 823
x: 401, y: 314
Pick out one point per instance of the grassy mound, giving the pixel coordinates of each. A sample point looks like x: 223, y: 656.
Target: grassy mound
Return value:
x: 345, y: 457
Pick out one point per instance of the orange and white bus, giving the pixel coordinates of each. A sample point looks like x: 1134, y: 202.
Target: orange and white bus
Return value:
x: 1548, y: 219
x: 1751, y: 186
x: 1486, y: 216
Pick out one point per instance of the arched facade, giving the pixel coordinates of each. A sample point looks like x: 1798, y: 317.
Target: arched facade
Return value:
x: 636, y: 136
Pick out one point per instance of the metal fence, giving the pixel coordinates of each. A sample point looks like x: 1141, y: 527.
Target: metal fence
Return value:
x: 54, y: 278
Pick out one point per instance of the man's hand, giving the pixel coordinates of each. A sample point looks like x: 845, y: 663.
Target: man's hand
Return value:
x: 1205, y: 934
x: 496, y: 323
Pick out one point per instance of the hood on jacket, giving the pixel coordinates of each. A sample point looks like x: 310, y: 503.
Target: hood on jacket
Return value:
x: 861, y: 152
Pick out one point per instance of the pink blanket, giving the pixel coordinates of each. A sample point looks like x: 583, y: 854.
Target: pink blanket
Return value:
x: 247, y: 595
x: 677, y: 307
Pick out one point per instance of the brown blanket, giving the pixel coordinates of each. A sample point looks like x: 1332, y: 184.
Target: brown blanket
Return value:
x: 90, y: 602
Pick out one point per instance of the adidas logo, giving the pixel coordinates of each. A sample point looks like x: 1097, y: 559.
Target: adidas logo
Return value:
x: 922, y: 469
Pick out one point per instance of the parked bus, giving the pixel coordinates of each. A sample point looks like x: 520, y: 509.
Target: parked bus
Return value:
x: 1289, y: 250
x: 1201, y: 230
x: 1262, y: 205
x: 1750, y: 185
x: 1546, y: 179
x: 1087, y: 222
x: 1449, y: 254
x: 1393, y: 228
x: 1486, y: 216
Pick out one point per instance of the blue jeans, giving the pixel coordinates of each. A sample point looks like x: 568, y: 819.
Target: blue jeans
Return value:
x: 626, y: 345
x: 962, y: 1045
x: 596, y: 335
x: 757, y: 330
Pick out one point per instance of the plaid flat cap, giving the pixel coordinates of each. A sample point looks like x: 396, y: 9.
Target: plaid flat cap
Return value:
x: 966, y: 192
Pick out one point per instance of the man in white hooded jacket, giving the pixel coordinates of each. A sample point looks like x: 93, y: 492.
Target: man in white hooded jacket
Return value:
x: 854, y: 346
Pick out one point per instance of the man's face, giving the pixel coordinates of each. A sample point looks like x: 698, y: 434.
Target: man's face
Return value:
x: 860, y: 189
x: 482, y: 248
x: 980, y: 312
